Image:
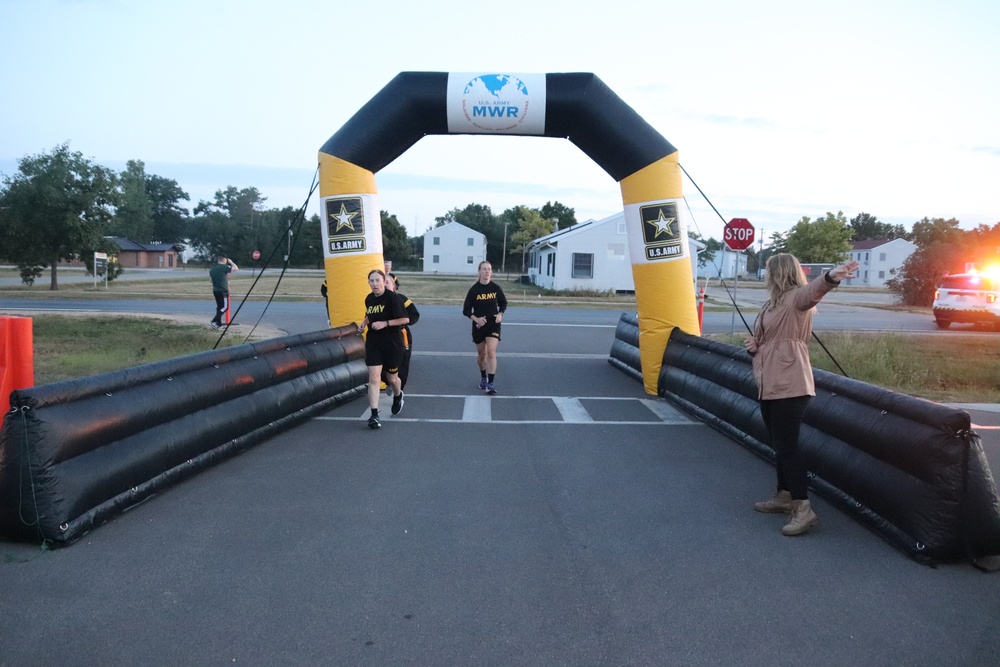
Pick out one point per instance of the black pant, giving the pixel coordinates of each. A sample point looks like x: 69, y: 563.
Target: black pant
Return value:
x: 221, y: 305
x: 783, y: 419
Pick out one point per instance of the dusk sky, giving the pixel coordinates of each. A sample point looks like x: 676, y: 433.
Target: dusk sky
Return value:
x: 778, y: 109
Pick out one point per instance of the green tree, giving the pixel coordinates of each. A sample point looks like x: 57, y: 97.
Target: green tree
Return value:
x: 170, y: 219
x: 984, y: 245
x: 480, y: 218
x: 529, y: 225
x: 56, y: 207
x: 867, y: 227
x: 778, y: 242
x: 826, y: 239
x: 928, y: 231
x: 133, y: 218
x: 555, y: 211
x: 474, y: 216
x: 308, y: 250
x: 234, y: 224
x: 922, y: 272
x: 707, y: 255
x: 941, y: 248
x: 395, y: 244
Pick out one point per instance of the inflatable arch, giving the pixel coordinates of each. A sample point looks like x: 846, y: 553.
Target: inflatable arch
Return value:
x: 576, y: 106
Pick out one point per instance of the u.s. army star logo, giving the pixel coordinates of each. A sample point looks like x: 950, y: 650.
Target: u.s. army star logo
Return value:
x: 345, y: 224
x: 661, y: 231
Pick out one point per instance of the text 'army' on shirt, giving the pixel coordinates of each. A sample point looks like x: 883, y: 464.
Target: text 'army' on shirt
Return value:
x: 486, y: 297
x: 375, y: 309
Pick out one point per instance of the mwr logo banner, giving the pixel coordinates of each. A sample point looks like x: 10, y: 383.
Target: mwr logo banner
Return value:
x: 496, y: 103
x: 656, y: 231
x: 347, y: 227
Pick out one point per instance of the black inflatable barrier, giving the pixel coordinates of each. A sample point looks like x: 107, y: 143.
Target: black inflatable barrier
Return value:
x: 74, y: 454
x: 911, y: 470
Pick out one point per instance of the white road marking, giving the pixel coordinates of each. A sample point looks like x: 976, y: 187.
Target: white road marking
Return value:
x: 572, y: 410
x: 478, y: 410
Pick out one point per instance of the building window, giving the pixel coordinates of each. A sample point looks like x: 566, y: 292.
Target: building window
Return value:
x: 881, y: 257
x: 621, y: 227
x: 471, y: 242
x: 551, y: 266
x: 437, y: 259
x: 583, y: 265
x: 437, y: 240
x: 881, y: 275
x: 468, y: 260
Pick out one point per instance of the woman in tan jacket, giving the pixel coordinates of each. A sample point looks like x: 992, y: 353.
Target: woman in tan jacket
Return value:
x: 781, y: 366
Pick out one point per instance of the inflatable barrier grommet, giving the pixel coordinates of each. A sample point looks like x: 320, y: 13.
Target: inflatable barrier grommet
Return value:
x: 885, y: 412
x: 107, y: 393
x: 169, y: 379
x: 135, y: 489
x: 215, y: 365
x: 64, y: 527
x: 255, y: 356
x: 920, y: 546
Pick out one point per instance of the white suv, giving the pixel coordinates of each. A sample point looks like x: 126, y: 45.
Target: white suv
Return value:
x: 969, y: 298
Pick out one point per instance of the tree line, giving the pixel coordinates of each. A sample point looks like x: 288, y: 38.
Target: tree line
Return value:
x: 60, y: 206
x: 942, y: 248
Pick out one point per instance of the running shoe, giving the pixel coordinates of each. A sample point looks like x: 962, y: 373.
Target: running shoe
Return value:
x: 397, y: 403
x: 214, y: 325
x: 482, y: 384
x: 373, y: 422
x: 490, y: 389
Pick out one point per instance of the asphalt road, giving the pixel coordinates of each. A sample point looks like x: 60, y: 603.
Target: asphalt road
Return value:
x: 570, y: 520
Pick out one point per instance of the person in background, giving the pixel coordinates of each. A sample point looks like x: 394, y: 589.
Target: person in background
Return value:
x: 326, y: 301
x: 219, y: 273
x: 392, y: 284
x: 385, y: 317
x: 485, y: 304
x: 783, y: 371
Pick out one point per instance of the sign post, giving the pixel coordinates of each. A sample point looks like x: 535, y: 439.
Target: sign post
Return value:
x: 101, y: 268
x: 738, y: 235
x: 256, y: 256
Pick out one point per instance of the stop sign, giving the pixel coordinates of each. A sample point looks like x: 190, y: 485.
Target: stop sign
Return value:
x: 256, y: 254
x: 738, y: 234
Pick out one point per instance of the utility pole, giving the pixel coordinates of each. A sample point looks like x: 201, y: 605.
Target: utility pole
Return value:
x: 503, y: 262
x: 760, y: 256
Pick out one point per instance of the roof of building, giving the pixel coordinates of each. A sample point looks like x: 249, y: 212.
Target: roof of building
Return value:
x: 553, y: 238
x: 127, y: 244
x: 871, y: 243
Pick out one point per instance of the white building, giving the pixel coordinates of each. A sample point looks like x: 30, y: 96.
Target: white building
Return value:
x: 453, y: 248
x: 879, y: 260
x: 726, y: 264
x: 591, y: 255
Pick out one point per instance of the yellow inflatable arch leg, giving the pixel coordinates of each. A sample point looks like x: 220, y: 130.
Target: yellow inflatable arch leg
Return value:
x: 351, y: 228
x: 657, y: 229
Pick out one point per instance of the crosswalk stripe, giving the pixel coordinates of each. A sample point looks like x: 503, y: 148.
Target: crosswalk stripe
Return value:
x: 478, y: 410
x: 572, y: 410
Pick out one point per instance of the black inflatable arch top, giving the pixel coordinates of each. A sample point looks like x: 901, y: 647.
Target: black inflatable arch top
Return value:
x: 578, y: 107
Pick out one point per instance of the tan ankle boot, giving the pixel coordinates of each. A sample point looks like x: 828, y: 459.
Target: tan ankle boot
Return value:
x: 802, y: 519
x: 780, y: 504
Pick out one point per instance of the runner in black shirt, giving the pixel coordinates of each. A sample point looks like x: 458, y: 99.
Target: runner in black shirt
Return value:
x: 485, y: 305
x: 385, y: 317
